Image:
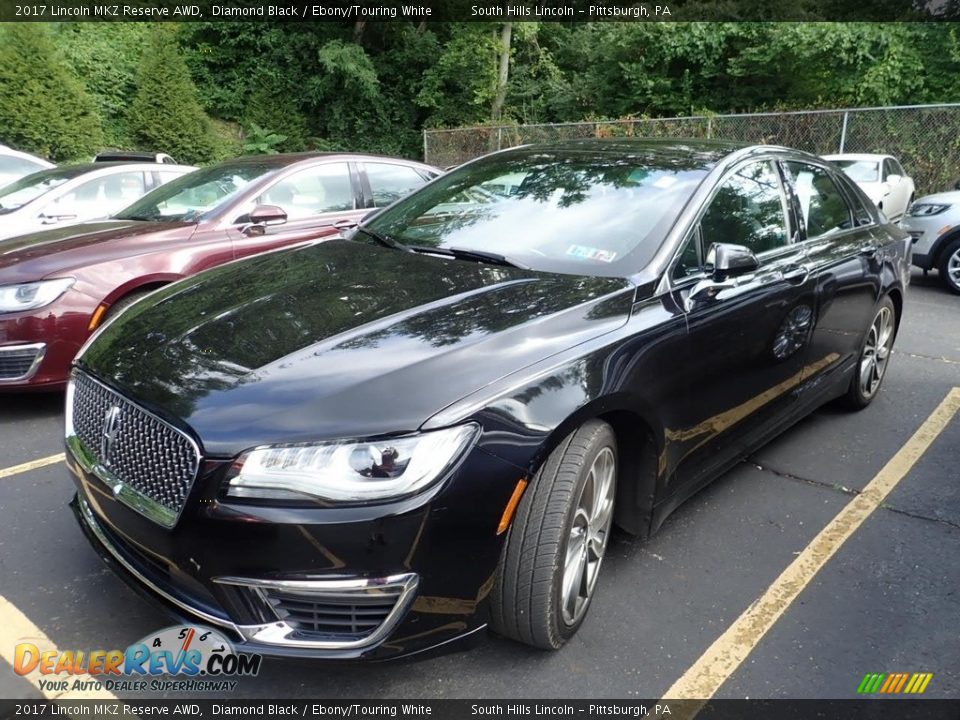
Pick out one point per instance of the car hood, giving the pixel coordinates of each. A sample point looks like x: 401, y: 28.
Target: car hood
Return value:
x: 341, y: 339
x: 944, y: 198
x: 37, y: 255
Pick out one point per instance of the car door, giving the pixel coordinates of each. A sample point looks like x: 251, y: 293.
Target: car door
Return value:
x: 746, y: 335
x: 841, y: 243
x: 317, y: 200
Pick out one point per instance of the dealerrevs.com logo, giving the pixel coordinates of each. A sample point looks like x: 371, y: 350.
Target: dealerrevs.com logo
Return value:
x: 200, y: 658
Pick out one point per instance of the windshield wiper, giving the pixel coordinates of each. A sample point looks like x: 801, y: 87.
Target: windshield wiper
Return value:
x: 468, y: 254
x: 382, y: 239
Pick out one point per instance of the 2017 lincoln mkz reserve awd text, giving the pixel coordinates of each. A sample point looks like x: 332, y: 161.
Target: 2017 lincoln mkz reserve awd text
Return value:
x: 374, y: 445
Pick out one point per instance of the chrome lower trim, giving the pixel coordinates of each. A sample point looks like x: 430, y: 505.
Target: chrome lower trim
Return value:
x: 91, y: 520
x: 280, y: 633
x: 41, y: 349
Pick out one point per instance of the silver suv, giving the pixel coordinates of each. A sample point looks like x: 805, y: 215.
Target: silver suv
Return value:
x: 934, y: 224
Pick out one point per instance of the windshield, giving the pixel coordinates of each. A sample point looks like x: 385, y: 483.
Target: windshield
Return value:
x: 860, y: 170
x: 27, y: 189
x: 579, y: 212
x: 196, y: 194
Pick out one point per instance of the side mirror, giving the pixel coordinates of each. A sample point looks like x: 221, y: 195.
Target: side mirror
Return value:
x: 261, y: 217
x: 268, y: 215
x: 893, y: 178
x: 731, y: 260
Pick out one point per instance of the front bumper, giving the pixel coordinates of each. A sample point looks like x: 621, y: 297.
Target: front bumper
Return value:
x: 232, y: 567
x: 925, y: 234
x: 59, y: 329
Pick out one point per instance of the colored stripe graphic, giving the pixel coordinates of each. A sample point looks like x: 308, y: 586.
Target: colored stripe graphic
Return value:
x: 894, y: 683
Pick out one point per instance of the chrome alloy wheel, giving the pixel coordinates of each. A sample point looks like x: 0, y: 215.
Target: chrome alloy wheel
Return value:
x: 588, y: 536
x: 953, y: 269
x: 876, y: 352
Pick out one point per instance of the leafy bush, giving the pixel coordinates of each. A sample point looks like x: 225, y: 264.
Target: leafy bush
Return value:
x: 44, y: 108
x: 166, y: 115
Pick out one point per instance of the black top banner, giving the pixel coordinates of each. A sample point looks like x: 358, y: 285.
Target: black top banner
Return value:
x: 479, y: 10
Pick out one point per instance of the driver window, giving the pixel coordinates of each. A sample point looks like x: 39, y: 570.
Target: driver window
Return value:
x: 316, y: 190
x: 747, y: 209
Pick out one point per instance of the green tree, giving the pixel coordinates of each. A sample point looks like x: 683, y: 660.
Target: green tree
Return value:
x: 105, y: 57
x: 165, y: 114
x: 44, y: 108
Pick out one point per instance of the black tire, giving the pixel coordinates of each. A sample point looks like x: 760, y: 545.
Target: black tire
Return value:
x: 123, y: 303
x: 857, y: 397
x: 527, y: 592
x: 950, y: 255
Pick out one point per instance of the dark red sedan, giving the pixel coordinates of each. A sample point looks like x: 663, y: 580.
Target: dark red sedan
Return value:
x: 58, y: 286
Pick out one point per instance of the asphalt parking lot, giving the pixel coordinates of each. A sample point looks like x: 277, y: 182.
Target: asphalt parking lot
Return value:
x: 886, y: 601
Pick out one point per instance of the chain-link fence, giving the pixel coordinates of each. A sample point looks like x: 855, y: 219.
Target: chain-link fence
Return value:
x: 925, y: 138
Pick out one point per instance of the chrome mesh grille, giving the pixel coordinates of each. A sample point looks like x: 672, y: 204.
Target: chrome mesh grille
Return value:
x: 156, y: 460
x: 16, y: 362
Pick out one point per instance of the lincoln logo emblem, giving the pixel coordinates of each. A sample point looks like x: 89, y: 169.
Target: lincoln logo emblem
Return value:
x: 111, y: 426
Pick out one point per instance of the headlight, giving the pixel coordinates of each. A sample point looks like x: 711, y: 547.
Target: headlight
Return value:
x: 349, y: 471
x: 29, y: 296
x: 922, y: 209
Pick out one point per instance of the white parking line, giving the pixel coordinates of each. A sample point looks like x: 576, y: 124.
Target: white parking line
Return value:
x: 702, y: 680
x: 32, y: 465
x: 15, y: 628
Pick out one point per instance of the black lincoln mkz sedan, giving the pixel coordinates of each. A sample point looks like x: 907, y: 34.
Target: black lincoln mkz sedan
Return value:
x: 373, y: 445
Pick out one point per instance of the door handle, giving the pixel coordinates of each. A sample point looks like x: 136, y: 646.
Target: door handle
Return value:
x: 345, y: 224
x: 796, y: 274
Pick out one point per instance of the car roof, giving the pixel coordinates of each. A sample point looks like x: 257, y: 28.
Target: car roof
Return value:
x: 281, y: 160
x: 870, y: 157
x: 74, y: 171
x: 694, y: 153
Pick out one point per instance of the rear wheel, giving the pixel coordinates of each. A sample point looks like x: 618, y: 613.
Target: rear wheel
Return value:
x: 553, y: 552
x: 950, y: 266
x: 874, y: 356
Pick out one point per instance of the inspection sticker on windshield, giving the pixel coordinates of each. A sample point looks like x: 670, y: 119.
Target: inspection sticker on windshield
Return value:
x: 589, y: 253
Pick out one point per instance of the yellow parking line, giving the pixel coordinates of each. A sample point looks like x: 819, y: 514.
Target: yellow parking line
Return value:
x: 32, y: 465
x: 702, y: 680
x: 15, y: 627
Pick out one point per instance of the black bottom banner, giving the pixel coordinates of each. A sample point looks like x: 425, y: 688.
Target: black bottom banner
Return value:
x: 900, y: 709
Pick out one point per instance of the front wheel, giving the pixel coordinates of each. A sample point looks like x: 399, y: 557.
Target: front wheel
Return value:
x: 874, y: 356
x: 950, y: 267
x: 555, y: 546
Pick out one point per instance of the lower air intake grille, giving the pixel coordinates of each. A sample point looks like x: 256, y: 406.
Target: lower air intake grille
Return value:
x: 353, y: 613
x: 16, y: 363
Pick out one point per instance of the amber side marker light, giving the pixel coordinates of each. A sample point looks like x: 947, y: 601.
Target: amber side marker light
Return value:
x: 511, y: 507
x: 97, y: 316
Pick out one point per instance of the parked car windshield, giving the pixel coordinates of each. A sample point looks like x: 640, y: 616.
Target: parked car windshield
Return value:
x: 860, y: 170
x: 195, y: 194
x: 584, y: 212
x: 27, y: 189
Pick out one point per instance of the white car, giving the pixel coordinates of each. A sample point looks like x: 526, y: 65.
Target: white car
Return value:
x: 15, y: 164
x: 77, y: 193
x: 933, y: 222
x: 882, y: 178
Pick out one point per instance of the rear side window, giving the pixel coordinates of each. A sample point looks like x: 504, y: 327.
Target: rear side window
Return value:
x: 824, y: 207
x: 896, y: 168
x: 390, y: 182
